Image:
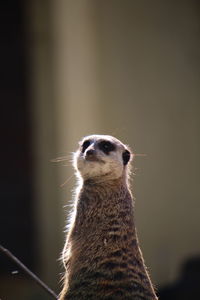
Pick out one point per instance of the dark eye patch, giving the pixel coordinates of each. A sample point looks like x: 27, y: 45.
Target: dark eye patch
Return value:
x: 106, y: 147
x: 126, y: 157
x: 85, y: 145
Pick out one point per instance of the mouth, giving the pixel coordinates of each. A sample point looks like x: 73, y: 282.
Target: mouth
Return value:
x: 94, y: 159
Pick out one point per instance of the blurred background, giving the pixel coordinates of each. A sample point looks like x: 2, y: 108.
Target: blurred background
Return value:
x: 72, y: 68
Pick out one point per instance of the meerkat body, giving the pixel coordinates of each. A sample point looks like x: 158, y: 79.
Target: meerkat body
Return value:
x: 102, y: 256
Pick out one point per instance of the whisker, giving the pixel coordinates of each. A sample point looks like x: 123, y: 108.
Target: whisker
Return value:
x: 139, y: 154
x: 59, y: 159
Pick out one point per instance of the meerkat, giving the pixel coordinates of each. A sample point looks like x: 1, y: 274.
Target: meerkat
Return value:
x: 102, y: 256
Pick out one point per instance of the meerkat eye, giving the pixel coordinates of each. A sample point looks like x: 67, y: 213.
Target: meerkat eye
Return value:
x: 126, y: 157
x: 85, y: 145
x: 106, y: 147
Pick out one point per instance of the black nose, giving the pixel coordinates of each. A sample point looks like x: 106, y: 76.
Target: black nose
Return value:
x: 90, y: 152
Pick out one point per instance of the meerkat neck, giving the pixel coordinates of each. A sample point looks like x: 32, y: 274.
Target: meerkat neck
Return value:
x: 104, y: 200
x: 107, y: 182
x: 105, y: 254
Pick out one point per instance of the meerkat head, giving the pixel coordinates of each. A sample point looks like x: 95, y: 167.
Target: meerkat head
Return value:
x: 101, y: 157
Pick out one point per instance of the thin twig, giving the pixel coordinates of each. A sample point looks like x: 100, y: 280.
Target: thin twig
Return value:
x: 30, y: 273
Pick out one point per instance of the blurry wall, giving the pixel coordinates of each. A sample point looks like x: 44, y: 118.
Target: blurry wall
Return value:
x: 130, y: 69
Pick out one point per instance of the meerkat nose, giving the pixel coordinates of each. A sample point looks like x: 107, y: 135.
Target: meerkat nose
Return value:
x: 90, y: 152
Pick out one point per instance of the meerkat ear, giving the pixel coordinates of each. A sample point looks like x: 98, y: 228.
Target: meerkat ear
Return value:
x: 126, y: 157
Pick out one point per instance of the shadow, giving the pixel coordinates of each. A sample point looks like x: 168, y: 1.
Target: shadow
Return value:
x: 187, y: 286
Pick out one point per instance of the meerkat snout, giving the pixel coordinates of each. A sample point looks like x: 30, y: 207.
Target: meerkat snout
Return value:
x: 90, y: 152
x: 91, y: 155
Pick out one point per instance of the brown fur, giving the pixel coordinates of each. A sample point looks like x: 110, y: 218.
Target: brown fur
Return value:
x: 102, y: 256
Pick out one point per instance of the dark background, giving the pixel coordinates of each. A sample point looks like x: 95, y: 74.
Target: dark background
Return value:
x: 17, y: 228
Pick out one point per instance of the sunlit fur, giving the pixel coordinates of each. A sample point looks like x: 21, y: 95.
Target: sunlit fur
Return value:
x: 102, y: 257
